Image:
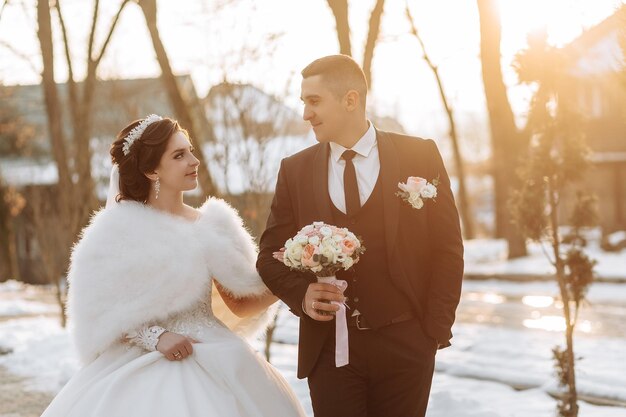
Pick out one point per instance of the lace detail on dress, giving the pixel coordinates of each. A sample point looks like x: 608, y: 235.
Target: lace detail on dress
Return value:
x: 188, y: 323
x: 147, y: 338
x: 192, y: 322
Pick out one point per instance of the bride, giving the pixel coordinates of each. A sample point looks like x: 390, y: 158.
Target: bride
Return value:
x: 162, y: 294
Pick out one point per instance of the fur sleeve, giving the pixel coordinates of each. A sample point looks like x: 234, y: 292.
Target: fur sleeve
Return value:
x: 231, y: 255
x: 231, y: 250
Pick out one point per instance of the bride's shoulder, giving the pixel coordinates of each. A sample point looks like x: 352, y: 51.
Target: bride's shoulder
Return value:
x: 219, y: 212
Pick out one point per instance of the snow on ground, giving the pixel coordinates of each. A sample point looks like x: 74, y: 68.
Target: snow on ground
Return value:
x: 472, y: 377
x: 476, y: 377
x: 598, y: 292
x: 488, y: 257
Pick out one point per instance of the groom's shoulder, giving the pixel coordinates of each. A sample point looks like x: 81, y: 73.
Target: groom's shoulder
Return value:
x: 307, y: 154
x: 409, y: 142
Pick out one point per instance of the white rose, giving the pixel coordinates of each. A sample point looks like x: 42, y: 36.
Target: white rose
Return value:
x: 325, y: 231
x: 337, y: 238
x: 318, y: 224
x: 429, y: 191
x: 301, y: 239
x: 306, y: 229
x: 348, y: 262
x: 416, y: 201
x: 294, y: 253
x: 314, y: 240
x: 329, y: 253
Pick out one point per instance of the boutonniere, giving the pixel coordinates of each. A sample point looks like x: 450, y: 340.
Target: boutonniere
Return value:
x: 416, y: 189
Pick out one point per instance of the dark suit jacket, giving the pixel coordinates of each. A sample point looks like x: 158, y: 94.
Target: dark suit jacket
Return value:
x: 424, y: 247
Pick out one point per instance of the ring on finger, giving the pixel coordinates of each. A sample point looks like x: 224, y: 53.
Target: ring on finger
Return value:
x: 313, y: 305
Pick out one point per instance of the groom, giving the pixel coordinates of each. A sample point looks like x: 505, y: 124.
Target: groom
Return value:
x: 402, y: 294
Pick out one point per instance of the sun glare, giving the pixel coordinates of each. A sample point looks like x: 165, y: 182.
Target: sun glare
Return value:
x: 538, y: 301
x: 563, y: 20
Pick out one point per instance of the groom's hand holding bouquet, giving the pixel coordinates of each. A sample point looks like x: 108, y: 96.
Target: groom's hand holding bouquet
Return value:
x: 323, y: 250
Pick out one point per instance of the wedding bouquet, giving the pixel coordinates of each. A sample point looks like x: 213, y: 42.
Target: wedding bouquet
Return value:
x: 322, y: 249
x: 325, y: 249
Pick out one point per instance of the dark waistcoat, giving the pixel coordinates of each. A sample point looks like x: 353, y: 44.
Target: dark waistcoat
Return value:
x: 370, y: 289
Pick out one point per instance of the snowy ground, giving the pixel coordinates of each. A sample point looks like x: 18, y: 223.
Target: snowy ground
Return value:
x: 499, y: 365
x: 487, y: 257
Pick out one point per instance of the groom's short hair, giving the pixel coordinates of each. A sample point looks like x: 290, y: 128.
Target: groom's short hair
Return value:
x: 340, y: 73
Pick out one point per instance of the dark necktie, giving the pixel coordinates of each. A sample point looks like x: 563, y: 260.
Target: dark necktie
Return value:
x: 350, y: 186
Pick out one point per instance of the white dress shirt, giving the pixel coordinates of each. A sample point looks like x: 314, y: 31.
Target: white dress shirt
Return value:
x: 366, y: 164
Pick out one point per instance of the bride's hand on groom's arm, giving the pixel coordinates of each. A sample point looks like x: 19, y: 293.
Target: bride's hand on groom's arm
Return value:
x: 316, y: 303
x: 174, y: 346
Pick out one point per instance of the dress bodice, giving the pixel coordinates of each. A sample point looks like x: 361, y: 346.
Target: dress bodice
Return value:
x: 191, y: 322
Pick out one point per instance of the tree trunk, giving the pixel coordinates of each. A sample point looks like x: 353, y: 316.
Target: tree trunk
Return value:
x: 81, y: 107
x: 340, y: 11
x: 372, y: 37
x: 66, y: 195
x: 465, y: 207
x: 506, y: 141
x: 181, y: 108
x: 51, y: 97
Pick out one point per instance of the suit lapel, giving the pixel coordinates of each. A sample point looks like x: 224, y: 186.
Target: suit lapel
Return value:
x: 320, y: 184
x: 390, y: 176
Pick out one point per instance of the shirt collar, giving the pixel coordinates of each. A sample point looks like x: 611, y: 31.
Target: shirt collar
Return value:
x: 363, y: 146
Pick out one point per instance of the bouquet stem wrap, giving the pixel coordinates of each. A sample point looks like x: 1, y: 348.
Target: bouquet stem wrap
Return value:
x: 341, y: 323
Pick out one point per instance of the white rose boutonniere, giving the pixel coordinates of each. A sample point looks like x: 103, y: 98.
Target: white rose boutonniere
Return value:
x: 416, y: 189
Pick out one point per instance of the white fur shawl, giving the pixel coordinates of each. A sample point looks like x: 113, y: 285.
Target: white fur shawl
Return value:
x: 135, y: 265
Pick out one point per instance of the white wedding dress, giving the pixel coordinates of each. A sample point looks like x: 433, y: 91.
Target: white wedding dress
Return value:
x: 223, y: 377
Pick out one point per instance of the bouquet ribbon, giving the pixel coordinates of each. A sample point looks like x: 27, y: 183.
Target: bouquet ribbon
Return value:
x: 341, y: 323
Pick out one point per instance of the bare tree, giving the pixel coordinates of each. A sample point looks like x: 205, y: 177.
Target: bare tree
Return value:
x: 372, y: 39
x: 507, y: 142
x: 64, y: 199
x: 198, y: 126
x: 466, y: 213
x: 71, y: 205
x: 53, y: 108
x: 340, y: 12
x: 81, y: 105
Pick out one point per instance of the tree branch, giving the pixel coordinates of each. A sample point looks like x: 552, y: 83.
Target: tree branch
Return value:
x: 20, y: 55
x: 340, y: 11
x: 3, y: 6
x: 92, y: 34
x: 110, y: 34
x: 70, y: 72
x: 372, y: 37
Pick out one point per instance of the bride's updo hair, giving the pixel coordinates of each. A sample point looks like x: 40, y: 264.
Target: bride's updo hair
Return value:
x: 143, y: 158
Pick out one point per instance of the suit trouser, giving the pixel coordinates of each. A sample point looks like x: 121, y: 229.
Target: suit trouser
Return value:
x: 389, y: 374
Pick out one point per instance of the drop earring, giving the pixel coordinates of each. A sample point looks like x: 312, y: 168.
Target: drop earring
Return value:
x: 157, y: 187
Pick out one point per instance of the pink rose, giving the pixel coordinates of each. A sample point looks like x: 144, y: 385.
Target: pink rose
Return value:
x: 312, y: 233
x: 413, y: 185
x: 347, y: 246
x: 307, y: 256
